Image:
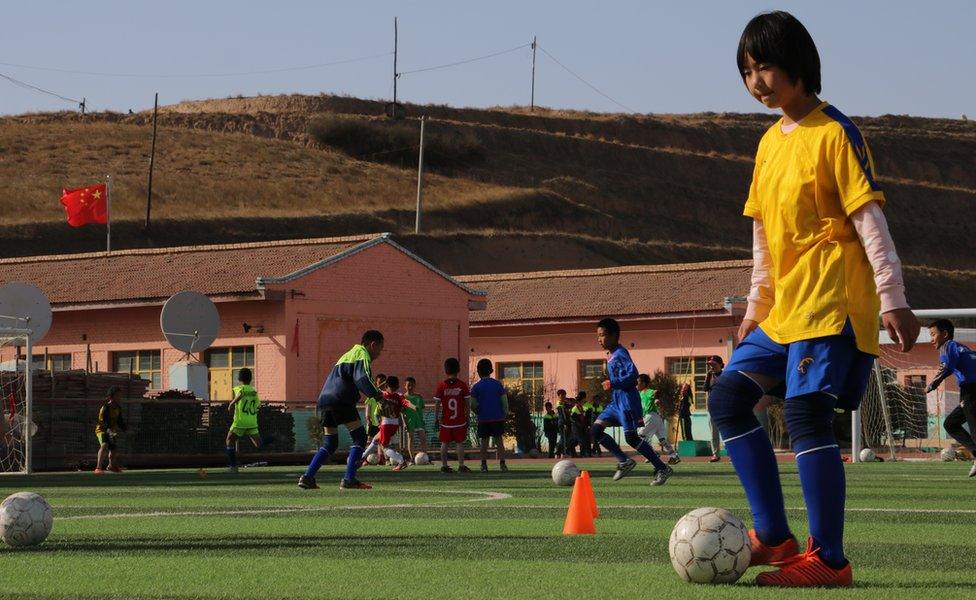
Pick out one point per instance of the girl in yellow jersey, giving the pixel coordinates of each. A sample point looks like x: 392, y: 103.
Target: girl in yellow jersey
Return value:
x: 824, y: 268
x: 245, y: 407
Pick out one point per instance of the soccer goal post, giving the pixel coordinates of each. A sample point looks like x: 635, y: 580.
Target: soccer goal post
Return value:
x: 17, y: 426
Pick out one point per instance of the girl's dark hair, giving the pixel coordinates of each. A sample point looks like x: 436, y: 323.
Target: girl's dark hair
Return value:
x: 644, y: 378
x: 778, y: 38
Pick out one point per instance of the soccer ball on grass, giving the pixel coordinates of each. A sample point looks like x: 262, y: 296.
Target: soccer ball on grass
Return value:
x: 421, y: 459
x: 868, y: 455
x: 710, y: 545
x: 373, y: 459
x: 565, y: 473
x: 25, y: 519
x: 948, y: 454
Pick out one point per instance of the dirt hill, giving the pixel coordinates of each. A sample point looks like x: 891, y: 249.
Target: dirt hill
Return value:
x: 506, y: 189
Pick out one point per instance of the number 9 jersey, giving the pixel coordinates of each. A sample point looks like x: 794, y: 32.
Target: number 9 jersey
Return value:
x: 453, y: 396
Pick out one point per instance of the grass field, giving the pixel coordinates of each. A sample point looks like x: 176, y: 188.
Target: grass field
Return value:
x: 911, y: 531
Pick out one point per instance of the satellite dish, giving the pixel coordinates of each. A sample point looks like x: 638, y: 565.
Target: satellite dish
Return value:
x: 189, y: 321
x: 23, y: 306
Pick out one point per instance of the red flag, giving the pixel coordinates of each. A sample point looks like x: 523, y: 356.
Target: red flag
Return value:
x: 294, y: 339
x: 85, y: 205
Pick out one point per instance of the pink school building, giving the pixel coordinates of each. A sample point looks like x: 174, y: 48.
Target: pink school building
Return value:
x: 288, y: 310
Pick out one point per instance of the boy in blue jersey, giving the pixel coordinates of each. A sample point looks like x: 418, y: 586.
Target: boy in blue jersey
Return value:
x: 624, y: 409
x: 959, y: 360
x: 337, y: 406
x: 490, y: 403
x: 824, y: 268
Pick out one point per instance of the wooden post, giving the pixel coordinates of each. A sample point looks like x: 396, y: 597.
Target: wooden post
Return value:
x: 420, y: 177
x: 152, y: 157
x: 532, y: 101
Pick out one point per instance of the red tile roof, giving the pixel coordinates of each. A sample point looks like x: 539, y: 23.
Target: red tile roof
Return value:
x: 636, y: 291
x: 153, y: 274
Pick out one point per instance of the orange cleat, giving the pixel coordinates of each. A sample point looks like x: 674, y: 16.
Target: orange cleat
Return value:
x: 99, y: 471
x: 807, y: 570
x: 771, y: 555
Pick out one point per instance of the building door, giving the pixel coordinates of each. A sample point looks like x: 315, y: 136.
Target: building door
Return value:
x: 221, y: 385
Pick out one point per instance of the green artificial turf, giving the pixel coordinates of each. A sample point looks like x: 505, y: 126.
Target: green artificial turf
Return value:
x: 423, y: 534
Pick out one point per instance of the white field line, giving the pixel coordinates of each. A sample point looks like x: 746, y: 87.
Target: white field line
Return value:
x: 481, y: 497
x: 953, y: 511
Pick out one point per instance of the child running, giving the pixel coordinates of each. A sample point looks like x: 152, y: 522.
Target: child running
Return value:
x: 958, y: 359
x: 822, y: 256
x: 624, y: 408
x: 391, y: 406
x: 349, y: 378
x: 490, y: 403
x: 451, y: 410
x: 653, y: 423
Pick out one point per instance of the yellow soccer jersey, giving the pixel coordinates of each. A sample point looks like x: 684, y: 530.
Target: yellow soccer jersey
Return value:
x: 804, y: 188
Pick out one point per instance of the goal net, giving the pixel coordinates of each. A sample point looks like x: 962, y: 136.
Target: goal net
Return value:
x: 16, y: 422
x: 896, y: 413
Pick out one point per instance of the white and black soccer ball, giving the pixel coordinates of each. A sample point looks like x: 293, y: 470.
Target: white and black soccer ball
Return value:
x: 948, y: 454
x: 421, y: 459
x: 710, y: 545
x: 565, y: 473
x: 868, y: 455
x: 373, y: 458
x: 25, y: 519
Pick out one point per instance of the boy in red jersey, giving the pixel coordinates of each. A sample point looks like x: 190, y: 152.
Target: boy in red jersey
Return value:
x: 390, y: 410
x: 451, y: 411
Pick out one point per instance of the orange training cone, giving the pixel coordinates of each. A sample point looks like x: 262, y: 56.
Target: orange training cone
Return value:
x: 579, y: 518
x: 588, y: 485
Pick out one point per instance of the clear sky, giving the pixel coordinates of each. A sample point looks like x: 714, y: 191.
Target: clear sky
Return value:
x: 903, y: 57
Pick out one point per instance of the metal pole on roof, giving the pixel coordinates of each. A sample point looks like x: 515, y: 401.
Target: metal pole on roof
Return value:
x: 108, y: 221
x: 420, y: 176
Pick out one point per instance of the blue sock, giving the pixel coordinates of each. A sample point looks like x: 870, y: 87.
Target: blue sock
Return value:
x: 823, y: 483
x: 352, y: 465
x: 232, y: 456
x: 647, y: 452
x: 329, y: 443
x: 809, y: 421
x: 755, y: 462
x: 611, y: 445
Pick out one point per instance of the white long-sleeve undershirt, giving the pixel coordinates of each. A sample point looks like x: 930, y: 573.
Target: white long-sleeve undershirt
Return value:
x: 872, y: 231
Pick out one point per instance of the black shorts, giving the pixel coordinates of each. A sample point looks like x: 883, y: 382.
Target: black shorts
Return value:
x: 371, y: 431
x: 333, y: 415
x: 106, y: 440
x: 494, y: 429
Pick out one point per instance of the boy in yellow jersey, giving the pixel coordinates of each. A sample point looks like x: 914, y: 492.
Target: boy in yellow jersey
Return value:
x: 107, y: 428
x: 245, y: 407
x: 822, y: 257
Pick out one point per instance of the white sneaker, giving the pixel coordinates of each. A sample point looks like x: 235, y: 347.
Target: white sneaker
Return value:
x: 972, y: 472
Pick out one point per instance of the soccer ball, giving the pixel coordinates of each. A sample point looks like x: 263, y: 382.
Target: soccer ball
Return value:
x: 421, y: 458
x: 948, y: 454
x: 565, y: 472
x: 373, y: 459
x: 867, y: 455
x: 25, y: 519
x: 710, y: 545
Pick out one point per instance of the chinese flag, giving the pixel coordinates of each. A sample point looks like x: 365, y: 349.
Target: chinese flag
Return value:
x: 85, y: 205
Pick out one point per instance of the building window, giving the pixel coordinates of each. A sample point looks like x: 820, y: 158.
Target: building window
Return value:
x: 147, y: 364
x: 917, y: 383
x: 55, y: 362
x: 526, y: 376
x: 591, y: 374
x: 225, y: 365
x: 693, y: 370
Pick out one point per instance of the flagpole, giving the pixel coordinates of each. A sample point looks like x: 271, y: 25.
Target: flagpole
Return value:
x: 108, y: 204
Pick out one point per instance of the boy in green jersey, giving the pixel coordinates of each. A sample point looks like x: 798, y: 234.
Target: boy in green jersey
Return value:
x: 654, y: 424
x: 414, y: 419
x: 244, y: 406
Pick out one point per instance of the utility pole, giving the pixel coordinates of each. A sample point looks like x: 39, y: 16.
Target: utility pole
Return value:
x: 395, y: 75
x: 82, y: 106
x: 532, y: 106
x: 420, y: 176
x: 152, y: 157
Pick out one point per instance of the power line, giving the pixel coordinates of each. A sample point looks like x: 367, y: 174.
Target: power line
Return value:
x: 587, y: 83
x: 196, y: 75
x: 461, y: 62
x: 27, y: 86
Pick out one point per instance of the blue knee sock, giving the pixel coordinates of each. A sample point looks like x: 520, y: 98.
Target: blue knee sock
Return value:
x: 611, y: 445
x: 232, y: 456
x: 730, y: 406
x: 358, y: 436
x: 329, y: 443
x: 647, y: 452
x: 809, y: 421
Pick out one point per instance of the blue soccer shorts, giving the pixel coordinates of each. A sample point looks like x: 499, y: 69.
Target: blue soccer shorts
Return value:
x: 830, y: 364
x: 622, y: 412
